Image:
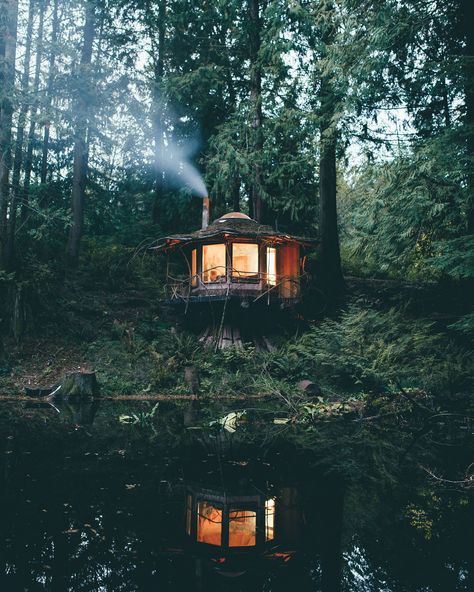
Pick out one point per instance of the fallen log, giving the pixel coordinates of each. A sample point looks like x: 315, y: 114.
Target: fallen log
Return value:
x: 38, y: 392
x: 75, y: 385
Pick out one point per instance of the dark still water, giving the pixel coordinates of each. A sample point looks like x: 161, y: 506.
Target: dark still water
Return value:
x: 206, y: 496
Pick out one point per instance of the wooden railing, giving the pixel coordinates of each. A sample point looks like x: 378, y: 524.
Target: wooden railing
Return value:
x: 181, y: 289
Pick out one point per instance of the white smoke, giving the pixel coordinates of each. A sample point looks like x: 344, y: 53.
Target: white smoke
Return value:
x: 174, y: 160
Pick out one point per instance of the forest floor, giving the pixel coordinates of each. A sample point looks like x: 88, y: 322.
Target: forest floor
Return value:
x: 383, y: 337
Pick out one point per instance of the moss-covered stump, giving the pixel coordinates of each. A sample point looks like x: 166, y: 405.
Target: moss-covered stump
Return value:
x: 78, y: 385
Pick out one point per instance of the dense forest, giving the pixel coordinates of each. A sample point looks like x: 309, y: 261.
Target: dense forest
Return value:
x: 236, y: 295
x: 349, y: 120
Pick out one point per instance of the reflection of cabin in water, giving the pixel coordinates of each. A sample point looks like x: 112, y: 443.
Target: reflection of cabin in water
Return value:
x: 242, y: 520
x: 236, y: 258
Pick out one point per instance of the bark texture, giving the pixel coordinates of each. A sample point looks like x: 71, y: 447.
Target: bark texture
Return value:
x: 33, y: 114
x: 255, y: 32
x: 80, y: 162
x: 49, y: 91
x: 8, y: 39
x: 466, y: 20
x: 18, y: 159
x: 329, y: 263
x: 159, y: 112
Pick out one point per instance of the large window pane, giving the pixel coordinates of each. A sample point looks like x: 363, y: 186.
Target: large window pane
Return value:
x: 269, y: 519
x: 242, y: 528
x: 271, y: 266
x: 213, y: 263
x: 244, y: 260
x: 209, y: 524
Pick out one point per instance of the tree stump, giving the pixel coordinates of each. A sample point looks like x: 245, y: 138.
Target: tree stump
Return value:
x: 191, y: 378
x: 78, y: 384
x: 308, y: 387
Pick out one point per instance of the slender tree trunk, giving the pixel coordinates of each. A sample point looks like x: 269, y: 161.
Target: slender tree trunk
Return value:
x: 256, y: 107
x: 79, y: 176
x: 447, y: 114
x: 158, y: 114
x: 33, y: 114
x: 466, y: 20
x: 8, y: 38
x: 49, y: 91
x: 18, y: 160
x: 236, y: 182
x: 329, y: 260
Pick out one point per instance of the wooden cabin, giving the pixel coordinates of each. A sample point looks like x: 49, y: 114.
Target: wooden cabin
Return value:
x: 236, y: 257
x: 243, y: 519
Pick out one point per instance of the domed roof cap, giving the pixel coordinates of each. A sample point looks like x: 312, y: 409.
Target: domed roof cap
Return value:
x: 235, y: 216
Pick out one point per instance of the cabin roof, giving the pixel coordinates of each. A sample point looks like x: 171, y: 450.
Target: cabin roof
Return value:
x: 230, y: 225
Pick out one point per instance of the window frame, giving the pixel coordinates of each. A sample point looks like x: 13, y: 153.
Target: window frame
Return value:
x: 243, y: 279
x: 266, y: 513
x: 241, y: 507
x: 274, y: 248
x: 226, y: 264
x: 223, y: 511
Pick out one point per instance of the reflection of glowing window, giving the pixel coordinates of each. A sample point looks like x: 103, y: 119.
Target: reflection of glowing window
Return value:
x: 209, y: 524
x: 244, y: 260
x: 242, y: 528
x: 213, y: 263
x: 269, y: 519
x: 194, y: 267
x: 189, y: 509
x: 271, y: 266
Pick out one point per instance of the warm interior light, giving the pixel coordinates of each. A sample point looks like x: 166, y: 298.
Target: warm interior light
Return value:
x: 271, y: 266
x: 194, y: 268
x: 242, y: 528
x: 213, y: 263
x: 269, y: 519
x: 244, y: 260
x: 209, y: 524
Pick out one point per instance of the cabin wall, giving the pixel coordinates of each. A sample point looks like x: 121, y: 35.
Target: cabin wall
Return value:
x: 288, y: 264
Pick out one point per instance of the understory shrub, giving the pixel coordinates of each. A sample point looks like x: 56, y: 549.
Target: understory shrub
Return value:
x: 368, y: 349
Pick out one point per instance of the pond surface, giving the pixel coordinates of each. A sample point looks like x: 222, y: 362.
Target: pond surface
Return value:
x: 205, y: 496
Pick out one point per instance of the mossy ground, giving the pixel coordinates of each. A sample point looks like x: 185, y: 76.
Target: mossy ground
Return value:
x: 381, y: 339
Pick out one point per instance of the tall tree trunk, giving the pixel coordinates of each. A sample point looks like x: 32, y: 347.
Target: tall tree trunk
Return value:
x: 8, y: 38
x: 329, y: 260
x: 158, y: 112
x: 49, y: 91
x: 466, y: 19
x: 256, y: 106
x: 33, y: 113
x: 18, y: 160
x: 79, y: 175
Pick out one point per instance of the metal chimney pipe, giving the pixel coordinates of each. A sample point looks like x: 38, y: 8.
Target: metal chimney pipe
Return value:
x: 205, y: 212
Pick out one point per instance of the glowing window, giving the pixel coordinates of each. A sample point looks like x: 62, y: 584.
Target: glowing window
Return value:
x: 209, y: 524
x: 271, y: 266
x: 244, y: 260
x: 189, y: 509
x: 213, y: 263
x: 242, y: 528
x: 194, y: 268
x: 269, y: 519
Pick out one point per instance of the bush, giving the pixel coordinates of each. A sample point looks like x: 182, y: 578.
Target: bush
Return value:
x: 367, y: 349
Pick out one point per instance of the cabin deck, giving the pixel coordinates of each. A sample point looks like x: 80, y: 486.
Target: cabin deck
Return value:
x: 284, y: 291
